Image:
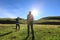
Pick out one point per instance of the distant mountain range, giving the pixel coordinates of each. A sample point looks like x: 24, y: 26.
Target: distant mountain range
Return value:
x: 46, y: 20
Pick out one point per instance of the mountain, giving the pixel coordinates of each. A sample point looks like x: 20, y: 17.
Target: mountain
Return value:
x: 53, y: 20
x: 49, y: 20
x: 11, y: 20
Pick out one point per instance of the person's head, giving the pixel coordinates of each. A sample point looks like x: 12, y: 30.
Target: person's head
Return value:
x: 17, y: 17
x: 29, y: 12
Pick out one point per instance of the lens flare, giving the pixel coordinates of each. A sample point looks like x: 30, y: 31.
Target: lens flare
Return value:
x: 35, y: 12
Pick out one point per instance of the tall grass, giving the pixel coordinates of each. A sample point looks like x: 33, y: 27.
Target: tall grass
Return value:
x: 41, y: 32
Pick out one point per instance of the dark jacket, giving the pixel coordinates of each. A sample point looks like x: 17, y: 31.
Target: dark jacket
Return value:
x: 17, y: 21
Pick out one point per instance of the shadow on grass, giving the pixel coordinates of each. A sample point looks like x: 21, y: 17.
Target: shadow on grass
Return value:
x: 30, y: 26
x: 1, y: 35
x: 33, y: 38
x: 13, y: 38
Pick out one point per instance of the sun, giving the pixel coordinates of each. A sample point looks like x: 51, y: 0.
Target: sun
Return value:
x: 34, y: 12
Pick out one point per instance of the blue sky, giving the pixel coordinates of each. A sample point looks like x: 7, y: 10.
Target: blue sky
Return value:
x: 21, y: 8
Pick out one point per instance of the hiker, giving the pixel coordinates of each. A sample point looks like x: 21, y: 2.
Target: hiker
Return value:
x: 30, y: 24
x: 17, y: 24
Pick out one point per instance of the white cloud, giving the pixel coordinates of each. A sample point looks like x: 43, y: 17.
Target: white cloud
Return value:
x: 6, y: 13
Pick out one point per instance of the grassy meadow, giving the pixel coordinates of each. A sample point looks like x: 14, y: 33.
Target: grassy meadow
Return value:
x: 41, y: 32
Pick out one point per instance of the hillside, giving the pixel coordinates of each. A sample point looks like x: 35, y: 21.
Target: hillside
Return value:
x: 49, y: 20
x: 45, y: 20
x: 11, y: 20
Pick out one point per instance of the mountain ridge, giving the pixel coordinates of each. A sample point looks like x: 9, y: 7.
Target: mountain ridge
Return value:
x: 44, y: 20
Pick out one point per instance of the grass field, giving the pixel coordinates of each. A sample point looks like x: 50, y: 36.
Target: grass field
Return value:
x: 41, y: 32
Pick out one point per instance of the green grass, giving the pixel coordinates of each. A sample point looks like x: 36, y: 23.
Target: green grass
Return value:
x: 41, y: 32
